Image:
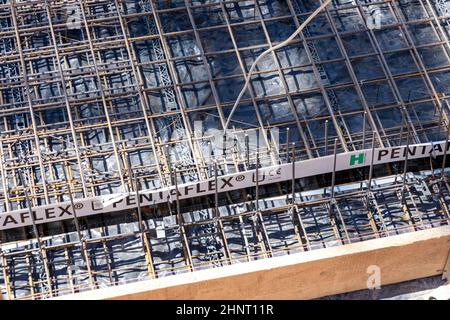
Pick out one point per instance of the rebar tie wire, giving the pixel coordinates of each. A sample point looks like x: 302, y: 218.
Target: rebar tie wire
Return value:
x: 262, y: 55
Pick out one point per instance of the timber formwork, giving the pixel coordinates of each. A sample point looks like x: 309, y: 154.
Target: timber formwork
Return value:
x: 102, y: 97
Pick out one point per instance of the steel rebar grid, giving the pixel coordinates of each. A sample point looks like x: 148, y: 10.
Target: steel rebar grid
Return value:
x: 53, y: 103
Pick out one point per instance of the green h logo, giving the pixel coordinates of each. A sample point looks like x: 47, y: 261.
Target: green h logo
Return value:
x: 357, y: 158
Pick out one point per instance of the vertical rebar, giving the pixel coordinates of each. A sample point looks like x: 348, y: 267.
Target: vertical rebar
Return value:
x: 333, y: 177
x: 444, y: 157
x: 257, y: 182
x: 293, y: 173
x: 210, y: 157
x: 247, y: 150
x: 169, y: 162
x: 171, y: 177
x: 326, y: 137
x: 369, y: 183
x: 216, y: 190
x: 287, y: 144
x: 224, y: 146
x: 441, y: 115
x: 405, y: 168
x: 138, y: 201
x: 180, y: 221
x: 364, y: 130
x: 287, y: 161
